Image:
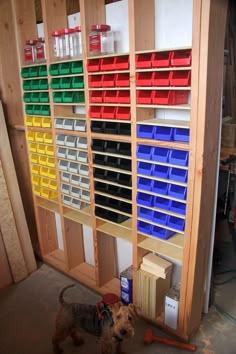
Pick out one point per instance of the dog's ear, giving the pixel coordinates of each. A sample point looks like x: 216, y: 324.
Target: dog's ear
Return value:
x: 116, y: 306
x: 134, y: 310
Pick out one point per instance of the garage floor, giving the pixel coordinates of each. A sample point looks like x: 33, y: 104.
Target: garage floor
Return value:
x: 27, y: 313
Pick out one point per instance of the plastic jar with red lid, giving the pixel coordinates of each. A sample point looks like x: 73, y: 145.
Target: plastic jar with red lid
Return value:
x: 40, y: 55
x: 57, y: 48
x: 78, y: 41
x: 29, y: 51
x: 101, y: 40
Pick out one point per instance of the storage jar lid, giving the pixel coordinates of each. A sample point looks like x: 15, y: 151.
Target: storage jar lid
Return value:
x: 101, y: 28
x: 56, y: 33
x: 78, y: 29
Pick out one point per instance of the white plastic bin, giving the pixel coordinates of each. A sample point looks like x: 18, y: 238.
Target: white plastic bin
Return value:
x: 82, y: 143
x: 82, y: 156
x: 80, y: 125
x: 74, y: 179
x: 73, y: 167
x: 85, y: 195
x: 68, y: 124
x: 65, y: 188
x: 58, y: 123
x: 71, y: 154
x: 65, y: 176
x: 75, y: 192
x: 60, y: 139
x: 61, y: 152
x: 84, y: 170
x: 84, y: 182
x: 63, y: 165
x: 70, y: 141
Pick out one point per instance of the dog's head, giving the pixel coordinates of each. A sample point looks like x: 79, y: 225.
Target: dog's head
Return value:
x: 123, y: 318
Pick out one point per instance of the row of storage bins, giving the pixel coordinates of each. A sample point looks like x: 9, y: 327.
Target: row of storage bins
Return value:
x: 110, y: 112
x: 159, y: 132
x: 39, y: 137
x: 66, y: 68
x: 116, y: 204
x: 65, y: 83
x: 114, y: 147
x: 43, y: 122
x: 112, y: 161
x: 44, y: 182
x: 120, y: 62
x: 42, y: 160
x: 113, y: 190
x: 45, y: 193
x: 162, y: 97
x: 111, y: 128
x: 34, y: 85
x: 106, y: 175
x: 76, y: 180
x: 110, y: 215
x: 165, y: 59
x: 160, y: 171
x: 73, y: 167
x: 38, y: 110
x: 109, y: 80
x: 75, y: 192
x: 164, y: 155
x: 73, y: 202
x: 72, y: 141
x: 41, y: 149
x: 164, y: 78
x: 34, y: 71
x: 161, y: 203
x: 36, y: 97
x: 43, y: 171
x: 110, y: 96
x: 163, y: 188
x: 68, y: 97
x: 71, y: 154
x: 154, y: 230
x: 70, y: 124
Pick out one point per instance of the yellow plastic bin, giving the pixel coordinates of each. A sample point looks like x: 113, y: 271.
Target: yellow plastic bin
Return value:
x: 45, y: 182
x: 46, y: 123
x: 51, y: 162
x: 34, y: 158
x: 42, y: 160
x: 53, y: 185
x: 52, y: 173
x: 30, y: 136
x: 53, y: 195
x: 49, y: 150
x: 37, y: 121
x: 47, y: 137
x: 45, y: 193
x: 36, y: 180
x: 41, y: 148
x: 29, y: 121
x: 39, y: 137
x: 35, y: 169
x: 33, y: 147
x: 44, y: 171
x: 37, y: 190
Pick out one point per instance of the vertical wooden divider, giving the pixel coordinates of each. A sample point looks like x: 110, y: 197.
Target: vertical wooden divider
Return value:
x: 91, y: 12
x: 55, y: 18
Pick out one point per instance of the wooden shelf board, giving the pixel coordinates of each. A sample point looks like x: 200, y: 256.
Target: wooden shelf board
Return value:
x: 166, y: 123
x: 122, y: 138
x: 48, y: 204
x: 66, y: 75
x: 108, y: 72
x: 160, y: 225
x: 68, y: 104
x: 67, y: 90
x: 122, y: 231
x: 74, y: 185
x: 19, y: 127
x: 161, y: 143
x: 158, y: 88
x: 69, y: 195
x: 180, y: 68
x: 56, y: 258
x: 109, y: 89
x: 34, y: 78
x: 72, y: 115
x: 107, y: 55
x: 168, y: 212
x: 68, y: 60
x: 74, y: 174
x: 33, y: 64
x: 37, y: 104
x: 164, y: 164
x: 113, y: 286
x: 85, y: 273
x: 181, y: 106
x: 110, y: 120
x: 34, y: 91
x: 112, y: 154
x: 69, y: 147
x: 110, y: 104
x: 113, y: 197
x: 111, y: 183
x: 114, y: 210
x: 112, y: 169
x: 70, y: 132
x: 162, y: 195
x: 39, y: 129
x: 154, y: 178
x: 163, y: 248
x: 80, y: 216
x: 162, y: 50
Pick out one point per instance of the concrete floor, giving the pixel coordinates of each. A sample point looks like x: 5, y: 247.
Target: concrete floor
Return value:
x: 28, y: 309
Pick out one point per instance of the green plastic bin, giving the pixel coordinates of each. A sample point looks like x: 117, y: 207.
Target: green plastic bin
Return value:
x: 55, y: 83
x: 43, y: 70
x: 81, y: 98
x: 35, y: 97
x: 26, y: 85
x: 24, y: 73
x: 27, y: 97
x: 29, y: 109
x: 33, y: 71
x: 57, y: 97
x: 78, y: 82
x: 45, y: 110
x: 64, y: 68
x: 43, y: 84
x: 77, y: 67
x: 65, y: 82
x: 37, y: 109
x: 67, y: 97
x: 54, y: 69
x: 44, y: 97
x: 34, y: 84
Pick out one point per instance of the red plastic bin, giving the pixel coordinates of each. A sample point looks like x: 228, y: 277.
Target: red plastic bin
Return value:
x: 161, y: 59
x: 123, y: 113
x: 144, y: 97
x: 169, y: 97
x: 122, y: 62
x: 161, y: 78
x: 95, y: 112
x: 108, y: 80
x: 143, y: 60
x: 122, y: 80
x: 95, y: 80
x: 123, y: 96
x: 108, y: 112
x: 181, y: 57
x: 110, y: 96
x: 107, y: 64
x: 180, y: 78
x: 144, y: 79
x: 93, y: 65
x: 96, y: 96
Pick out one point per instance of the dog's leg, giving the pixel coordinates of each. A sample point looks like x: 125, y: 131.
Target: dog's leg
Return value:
x: 77, y: 339
x: 58, y: 337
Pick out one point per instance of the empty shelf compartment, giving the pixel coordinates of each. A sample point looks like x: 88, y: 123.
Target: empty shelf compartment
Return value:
x: 178, y: 207
x: 161, y: 203
x: 146, y: 131
x: 82, y: 143
x: 144, y: 97
x: 63, y: 165
x: 145, y: 199
x: 73, y: 167
x: 82, y: 156
x: 74, y: 179
x: 122, y: 80
x: 178, y: 192
x: 178, y: 157
x: 95, y: 112
x: 161, y: 78
x: 164, y: 133
x: 108, y: 112
x: 181, y: 134
x: 143, y: 60
x: 121, y: 62
x: 161, y: 59
x: 61, y: 152
x: 108, y: 80
x: 160, y: 171
x: 75, y: 192
x: 145, y: 213
x: 80, y: 125
x: 65, y: 177
x: 178, y: 174
x: 59, y: 123
x: 160, y: 187
x: 144, y: 227
x: 144, y: 79
x: 60, y: 139
x: 145, y: 183
x: 161, y: 232
x: 96, y: 96
x: 84, y: 170
x: 176, y: 223
x: 70, y: 141
x: 84, y: 182
x: 68, y: 124
x: 71, y: 154
x: 181, y: 57
x: 144, y: 168
x: 95, y: 81
x: 85, y: 195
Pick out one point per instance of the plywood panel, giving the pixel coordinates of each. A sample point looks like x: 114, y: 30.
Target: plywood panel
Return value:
x: 106, y: 257
x: 5, y: 272
x: 47, y: 230
x: 75, y: 247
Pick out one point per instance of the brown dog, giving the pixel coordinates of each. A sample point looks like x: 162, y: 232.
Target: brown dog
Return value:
x: 111, y: 323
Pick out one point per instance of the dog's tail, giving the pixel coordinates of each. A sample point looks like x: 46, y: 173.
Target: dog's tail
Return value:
x: 61, y: 299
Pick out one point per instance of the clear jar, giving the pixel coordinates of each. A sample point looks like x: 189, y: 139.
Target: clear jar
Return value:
x: 78, y: 41
x: 40, y: 55
x: 56, y: 37
x: 65, y: 35
x: 72, y: 43
x: 29, y: 51
x: 101, y: 40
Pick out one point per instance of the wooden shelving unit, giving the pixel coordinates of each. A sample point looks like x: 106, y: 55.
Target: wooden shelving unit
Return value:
x: 188, y: 247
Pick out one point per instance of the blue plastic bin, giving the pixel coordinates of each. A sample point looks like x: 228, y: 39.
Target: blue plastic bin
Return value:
x: 162, y: 203
x: 181, y: 134
x: 144, y: 152
x: 144, y: 227
x: 160, y: 218
x: 160, y: 154
x: 164, y: 133
x: 145, y: 213
x: 160, y: 187
x: 160, y: 171
x: 161, y: 232
x: 146, y: 131
x: 145, y: 183
x: 178, y: 157
x: 144, y: 168
x: 144, y: 199
x: 179, y: 192
x: 177, y: 207
x: 176, y: 223
x: 178, y: 174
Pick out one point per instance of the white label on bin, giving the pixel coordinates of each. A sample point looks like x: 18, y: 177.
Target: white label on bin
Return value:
x: 125, y: 296
x: 124, y: 283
